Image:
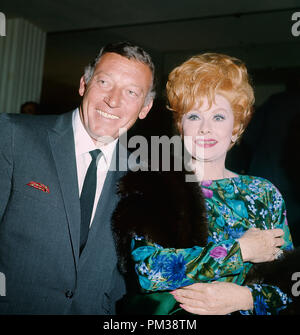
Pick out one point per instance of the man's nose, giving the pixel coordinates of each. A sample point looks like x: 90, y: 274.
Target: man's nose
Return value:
x: 113, y: 98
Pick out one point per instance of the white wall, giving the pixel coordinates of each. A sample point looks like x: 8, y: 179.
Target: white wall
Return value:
x: 21, y: 64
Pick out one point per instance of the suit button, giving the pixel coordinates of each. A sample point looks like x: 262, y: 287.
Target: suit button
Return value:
x: 69, y: 294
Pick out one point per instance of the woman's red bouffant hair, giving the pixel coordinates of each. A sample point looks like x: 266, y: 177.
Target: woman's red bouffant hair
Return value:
x: 207, y: 75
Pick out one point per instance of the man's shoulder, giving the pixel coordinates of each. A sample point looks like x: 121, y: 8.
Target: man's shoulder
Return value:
x: 30, y: 121
x: 26, y: 118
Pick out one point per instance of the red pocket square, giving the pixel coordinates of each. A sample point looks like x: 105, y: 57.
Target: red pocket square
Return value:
x: 39, y: 186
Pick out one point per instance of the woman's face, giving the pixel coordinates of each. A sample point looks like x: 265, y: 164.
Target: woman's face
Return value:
x: 208, y: 131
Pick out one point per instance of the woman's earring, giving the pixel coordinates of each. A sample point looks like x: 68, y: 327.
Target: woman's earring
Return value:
x: 233, y: 138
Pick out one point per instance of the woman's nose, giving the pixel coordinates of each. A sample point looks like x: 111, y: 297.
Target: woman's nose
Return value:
x: 204, y: 128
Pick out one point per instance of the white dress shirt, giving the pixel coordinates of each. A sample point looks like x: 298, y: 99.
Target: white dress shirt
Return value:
x: 84, y: 144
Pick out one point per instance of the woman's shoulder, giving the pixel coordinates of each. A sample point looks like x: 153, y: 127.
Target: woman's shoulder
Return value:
x: 259, y: 185
x: 256, y: 180
x: 253, y: 182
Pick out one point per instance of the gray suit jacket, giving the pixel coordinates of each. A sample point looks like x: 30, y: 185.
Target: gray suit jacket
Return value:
x: 39, y: 231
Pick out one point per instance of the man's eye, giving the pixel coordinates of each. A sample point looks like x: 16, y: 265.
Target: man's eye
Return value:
x: 102, y: 82
x: 132, y: 93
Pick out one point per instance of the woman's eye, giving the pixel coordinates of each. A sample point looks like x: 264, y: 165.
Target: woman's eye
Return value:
x: 219, y: 117
x: 193, y: 117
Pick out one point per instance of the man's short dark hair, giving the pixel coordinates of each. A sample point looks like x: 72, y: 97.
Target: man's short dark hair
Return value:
x: 130, y: 51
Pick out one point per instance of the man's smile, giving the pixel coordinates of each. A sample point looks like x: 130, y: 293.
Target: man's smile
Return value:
x: 107, y: 115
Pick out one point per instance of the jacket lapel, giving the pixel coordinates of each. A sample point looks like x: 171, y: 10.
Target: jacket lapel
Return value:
x: 61, y: 140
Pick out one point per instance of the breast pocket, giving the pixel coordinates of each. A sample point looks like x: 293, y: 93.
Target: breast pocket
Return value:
x: 38, y: 190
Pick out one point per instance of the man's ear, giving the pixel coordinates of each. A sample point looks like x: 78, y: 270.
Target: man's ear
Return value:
x: 145, y: 110
x: 82, y: 86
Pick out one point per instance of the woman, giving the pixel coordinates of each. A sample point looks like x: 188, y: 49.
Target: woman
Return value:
x: 175, y: 239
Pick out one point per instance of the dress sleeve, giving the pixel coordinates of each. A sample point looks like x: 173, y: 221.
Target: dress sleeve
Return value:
x: 269, y: 299
x: 161, y: 268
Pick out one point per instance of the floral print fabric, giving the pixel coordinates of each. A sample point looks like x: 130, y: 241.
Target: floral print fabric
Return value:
x: 233, y: 206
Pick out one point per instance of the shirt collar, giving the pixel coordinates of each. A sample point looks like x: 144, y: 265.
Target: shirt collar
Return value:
x: 84, y: 143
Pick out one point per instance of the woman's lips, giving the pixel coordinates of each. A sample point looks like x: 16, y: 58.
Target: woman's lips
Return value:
x: 206, y: 143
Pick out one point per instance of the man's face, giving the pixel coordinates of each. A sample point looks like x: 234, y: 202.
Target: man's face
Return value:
x: 114, y: 97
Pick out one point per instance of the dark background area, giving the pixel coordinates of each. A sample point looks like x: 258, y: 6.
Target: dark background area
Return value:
x: 258, y: 32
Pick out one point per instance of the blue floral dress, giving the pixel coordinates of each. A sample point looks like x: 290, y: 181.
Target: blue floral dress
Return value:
x: 233, y: 206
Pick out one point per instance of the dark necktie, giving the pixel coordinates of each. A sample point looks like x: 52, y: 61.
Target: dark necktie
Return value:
x: 87, y: 197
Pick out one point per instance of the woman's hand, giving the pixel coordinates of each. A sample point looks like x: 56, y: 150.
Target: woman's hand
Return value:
x: 216, y: 298
x: 261, y: 245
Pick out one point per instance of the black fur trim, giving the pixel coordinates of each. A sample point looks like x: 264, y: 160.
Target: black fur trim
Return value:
x: 161, y: 206
x: 279, y: 273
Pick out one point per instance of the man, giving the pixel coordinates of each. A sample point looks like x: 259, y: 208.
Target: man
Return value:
x: 30, y: 107
x: 52, y: 263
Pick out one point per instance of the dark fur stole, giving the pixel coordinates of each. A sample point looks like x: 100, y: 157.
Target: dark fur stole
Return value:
x: 162, y: 207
